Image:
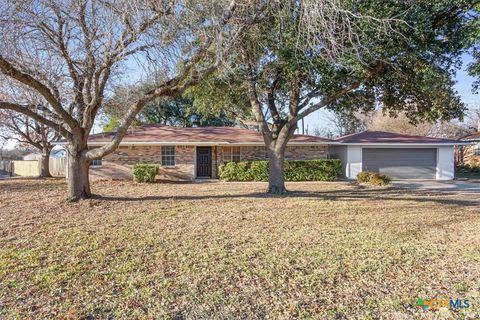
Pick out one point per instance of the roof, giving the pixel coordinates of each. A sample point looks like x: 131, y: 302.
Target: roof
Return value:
x: 383, y: 137
x: 472, y: 137
x: 151, y: 134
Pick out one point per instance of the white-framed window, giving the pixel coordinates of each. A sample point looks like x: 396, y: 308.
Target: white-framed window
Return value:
x: 96, y: 163
x: 476, y: 149
x: 231, y: 154
x: 168, y: 156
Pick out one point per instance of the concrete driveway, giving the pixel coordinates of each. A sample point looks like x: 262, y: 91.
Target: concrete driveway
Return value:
x: 439, y: 186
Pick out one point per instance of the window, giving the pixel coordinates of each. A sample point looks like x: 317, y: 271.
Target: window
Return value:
x: 168, y: 156
x: 96, y: 162
x: 231, y: 154
x: 476, y: 149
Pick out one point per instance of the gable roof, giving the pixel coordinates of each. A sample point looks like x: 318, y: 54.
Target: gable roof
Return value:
x: 383, y: 137
x: 472, y: 137
x: 163, y: 134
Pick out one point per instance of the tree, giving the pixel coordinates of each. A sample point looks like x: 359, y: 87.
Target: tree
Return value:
x: 348, y: 123
x: 178, y: 111
x: 347, y: 57
x: 399, y: 123
x: 28, y: 132
x: 70, y: 53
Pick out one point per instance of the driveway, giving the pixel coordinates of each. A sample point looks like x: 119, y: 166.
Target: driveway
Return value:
x: 433, y: 185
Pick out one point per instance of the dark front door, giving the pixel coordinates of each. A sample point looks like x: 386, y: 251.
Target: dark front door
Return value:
x: 204, y: 162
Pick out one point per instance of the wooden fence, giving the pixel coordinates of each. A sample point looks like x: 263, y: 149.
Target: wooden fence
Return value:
x: 31, y: 168
x: 25, y: 168
x: 58, y: 166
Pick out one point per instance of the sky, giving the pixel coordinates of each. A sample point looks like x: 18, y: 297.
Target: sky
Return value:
x: 320, y: 120
x: 464, y: 84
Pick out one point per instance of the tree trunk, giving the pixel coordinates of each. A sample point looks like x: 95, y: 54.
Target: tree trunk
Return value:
x: 45, y: 165
x: 276, y: 173
x: 77, y: 176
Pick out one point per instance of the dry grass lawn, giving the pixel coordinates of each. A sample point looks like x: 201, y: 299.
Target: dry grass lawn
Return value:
x: 224, y: 250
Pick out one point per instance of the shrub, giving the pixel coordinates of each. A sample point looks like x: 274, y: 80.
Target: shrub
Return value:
x: 295, y: 170
x: 373, y: 178
x: 468, y: 168
x: 364, y: 176
x: 145, y: 172
x: 378, y: 179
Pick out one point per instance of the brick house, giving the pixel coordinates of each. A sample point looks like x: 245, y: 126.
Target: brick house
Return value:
x: 186, y: 154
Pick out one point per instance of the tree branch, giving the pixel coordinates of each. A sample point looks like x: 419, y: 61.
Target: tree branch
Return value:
x: 8, y: 69
x: 24, y: 109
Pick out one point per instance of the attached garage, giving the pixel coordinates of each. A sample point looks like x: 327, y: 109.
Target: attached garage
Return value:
x: 401, y: 163
x: 399, y: 156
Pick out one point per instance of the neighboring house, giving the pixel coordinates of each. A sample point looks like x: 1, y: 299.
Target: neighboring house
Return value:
x: 470, y: 154
x: 58, y: 153
x: 191, y: 153
x: 32, y: 156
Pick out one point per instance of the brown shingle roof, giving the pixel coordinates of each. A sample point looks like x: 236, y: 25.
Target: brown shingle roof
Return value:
x: 389, y: 137
x: 167, y: 134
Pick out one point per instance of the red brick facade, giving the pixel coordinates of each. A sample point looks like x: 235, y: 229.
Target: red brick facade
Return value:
x: 118, y: 165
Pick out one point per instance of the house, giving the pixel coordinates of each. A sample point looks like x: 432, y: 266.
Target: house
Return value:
x: 192, y: 153
x: 33, y: 156
x: 399, y: 156
x: 470, y: 154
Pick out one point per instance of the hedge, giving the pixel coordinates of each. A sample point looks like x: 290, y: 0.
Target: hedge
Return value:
x: 145, y: 172
x: 295, y: 170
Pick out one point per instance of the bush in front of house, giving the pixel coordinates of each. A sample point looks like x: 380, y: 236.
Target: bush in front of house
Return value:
x: 467, y: 168
x: 144, y: 172
x: 373, y: 178
x: 295, y: 170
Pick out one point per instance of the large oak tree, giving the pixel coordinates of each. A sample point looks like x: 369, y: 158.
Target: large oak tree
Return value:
x: 346, y: 57
x: 70, y: 53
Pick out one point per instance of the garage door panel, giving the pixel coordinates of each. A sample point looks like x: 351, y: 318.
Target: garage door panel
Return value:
x: 401, y: 163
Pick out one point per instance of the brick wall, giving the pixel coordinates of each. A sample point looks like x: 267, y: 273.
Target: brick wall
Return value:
x: 118, y: 165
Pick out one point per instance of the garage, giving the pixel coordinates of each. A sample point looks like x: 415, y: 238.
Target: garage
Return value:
x: 401, y: 163
x: 397, y: 155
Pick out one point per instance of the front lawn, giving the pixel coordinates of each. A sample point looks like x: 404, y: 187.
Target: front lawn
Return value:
x: 224, y: 250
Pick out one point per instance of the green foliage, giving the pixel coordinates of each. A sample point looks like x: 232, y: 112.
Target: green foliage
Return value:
x: 178, y: 111
x: 407, y: 68
x: 467, y: 168
x: 145, y: 172
x: 295, y: 170
x: 111, y: 124
x: 373, y: 178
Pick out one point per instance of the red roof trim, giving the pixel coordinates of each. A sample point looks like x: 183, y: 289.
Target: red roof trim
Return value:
x: 370, y: 136
x: 168, y: 134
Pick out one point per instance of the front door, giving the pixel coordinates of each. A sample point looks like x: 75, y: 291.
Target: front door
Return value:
x: 204, y: 162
